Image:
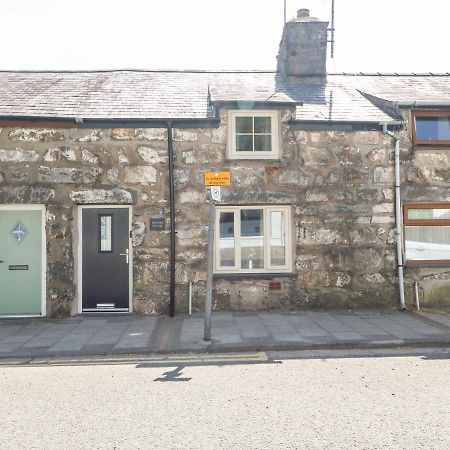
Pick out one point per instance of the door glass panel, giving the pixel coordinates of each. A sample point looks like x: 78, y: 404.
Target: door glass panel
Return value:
x: 252, y: 240
x: 19, y: 232
x: 277, y: 239
x: 105, y: 224
x: 427, y: 243
x: 428, y: 214
x: 226, y: 240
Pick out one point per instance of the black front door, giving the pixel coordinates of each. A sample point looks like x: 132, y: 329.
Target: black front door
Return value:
x: 105, y: 277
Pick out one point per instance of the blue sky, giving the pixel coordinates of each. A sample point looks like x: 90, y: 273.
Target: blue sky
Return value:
x: 371, y: 35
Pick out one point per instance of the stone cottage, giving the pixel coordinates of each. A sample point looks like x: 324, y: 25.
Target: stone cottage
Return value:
x: 340, y: 192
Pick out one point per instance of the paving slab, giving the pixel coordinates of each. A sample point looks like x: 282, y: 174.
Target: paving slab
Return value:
x: 231, y: 331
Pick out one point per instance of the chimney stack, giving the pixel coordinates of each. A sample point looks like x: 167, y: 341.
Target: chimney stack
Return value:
x: 303, y: 47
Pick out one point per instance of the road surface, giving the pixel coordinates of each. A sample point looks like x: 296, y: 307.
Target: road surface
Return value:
x: 314, y: 400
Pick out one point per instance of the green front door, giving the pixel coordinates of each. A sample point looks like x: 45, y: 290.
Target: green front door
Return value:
x: 20, y: 261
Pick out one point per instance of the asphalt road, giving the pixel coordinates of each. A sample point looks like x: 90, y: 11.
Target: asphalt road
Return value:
x: 314, y: 400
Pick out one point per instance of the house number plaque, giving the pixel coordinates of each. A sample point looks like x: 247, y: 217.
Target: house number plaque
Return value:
x: 158, y: 224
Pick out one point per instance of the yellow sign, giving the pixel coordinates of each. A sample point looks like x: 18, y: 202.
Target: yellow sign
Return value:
x: 217, y: 178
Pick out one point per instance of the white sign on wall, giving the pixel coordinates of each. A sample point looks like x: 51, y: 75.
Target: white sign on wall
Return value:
x: 216, y: 194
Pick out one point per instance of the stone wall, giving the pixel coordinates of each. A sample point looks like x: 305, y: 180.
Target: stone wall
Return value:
x: 65, y: 167
x: 340, y: 186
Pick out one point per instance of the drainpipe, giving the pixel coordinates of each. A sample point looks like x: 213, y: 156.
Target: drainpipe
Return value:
x: 172, y: 219
x: 398, y: 217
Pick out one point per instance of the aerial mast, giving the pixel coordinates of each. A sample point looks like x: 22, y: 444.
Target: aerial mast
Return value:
x: 331, y: 30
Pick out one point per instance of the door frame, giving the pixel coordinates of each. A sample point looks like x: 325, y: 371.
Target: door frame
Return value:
x: 80, y: 256
x: 41, y: 208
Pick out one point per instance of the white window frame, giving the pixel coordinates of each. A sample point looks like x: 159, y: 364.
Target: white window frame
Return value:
x: 268, y: 268
x: 232, y: 153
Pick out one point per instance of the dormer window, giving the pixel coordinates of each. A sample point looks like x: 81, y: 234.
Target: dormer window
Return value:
x: 253, y: 134
x: 431, y: 127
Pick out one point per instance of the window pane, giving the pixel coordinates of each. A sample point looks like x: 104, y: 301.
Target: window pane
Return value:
x: 244, y: 124
x: 263, y: 143
x: 277, y: 239
x: 226, y: 239
x: 427, y: 243
x: 433, y: 128
x: 263, y: 125
x: 428, y: 214
x: 252, y: 240
x: 244, y: 143
x: 105, y: 233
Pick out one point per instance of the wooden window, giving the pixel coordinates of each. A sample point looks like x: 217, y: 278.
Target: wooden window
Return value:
x: 253, y: 239
x: 253, y: 134
x: 431, y: 127
x: 427, y: 233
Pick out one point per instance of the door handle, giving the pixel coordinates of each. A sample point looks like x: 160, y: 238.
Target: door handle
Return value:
x: 126, y: 254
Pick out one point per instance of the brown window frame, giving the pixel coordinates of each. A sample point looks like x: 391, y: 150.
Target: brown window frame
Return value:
x: 424, y: 222
x: 427, y: 113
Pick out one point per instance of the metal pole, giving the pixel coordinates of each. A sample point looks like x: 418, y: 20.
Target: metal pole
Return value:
x: 172, y: 219
x: 209, y: 278
x: 284, y: 11
x: 332, y: 29
x: 190, y: 297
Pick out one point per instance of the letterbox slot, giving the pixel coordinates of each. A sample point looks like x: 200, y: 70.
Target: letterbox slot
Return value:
x: 18, y: 267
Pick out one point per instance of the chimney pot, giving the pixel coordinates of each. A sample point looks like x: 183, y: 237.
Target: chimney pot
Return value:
x: 303, y: 12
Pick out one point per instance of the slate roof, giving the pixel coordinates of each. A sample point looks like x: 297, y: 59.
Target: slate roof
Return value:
x: 402, y: 89
x: 139, y: 95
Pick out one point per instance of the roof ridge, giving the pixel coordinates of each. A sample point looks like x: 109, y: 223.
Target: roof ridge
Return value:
x: 392, y: 74
x: 138, y: 71
x: 225, y: 71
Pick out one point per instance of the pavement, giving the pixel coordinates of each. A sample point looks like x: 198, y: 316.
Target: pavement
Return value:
x: 231, y: 331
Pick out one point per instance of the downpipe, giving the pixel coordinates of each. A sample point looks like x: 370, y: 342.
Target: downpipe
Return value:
x: 172, y: 219
x: 398, y: 218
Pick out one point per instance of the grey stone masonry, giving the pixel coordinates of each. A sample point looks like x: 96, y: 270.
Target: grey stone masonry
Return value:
x: 303, y: 47
x: 338, y: 184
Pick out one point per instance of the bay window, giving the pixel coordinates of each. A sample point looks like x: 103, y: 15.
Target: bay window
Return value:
x: 252, y: 239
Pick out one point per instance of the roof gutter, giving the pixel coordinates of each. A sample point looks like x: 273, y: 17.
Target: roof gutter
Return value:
x: 423, y: 104
x: 251, y: 104
x: 81, y: 122
x: 326, y: 121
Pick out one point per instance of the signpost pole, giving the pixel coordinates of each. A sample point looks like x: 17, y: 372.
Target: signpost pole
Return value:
x: 210, y: 261
x: 214, y: 180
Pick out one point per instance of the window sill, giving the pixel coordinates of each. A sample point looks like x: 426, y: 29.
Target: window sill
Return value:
x: 432, y: 143
x: 268, y: 158
x: 254, y: 276
x: 419, y: 265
